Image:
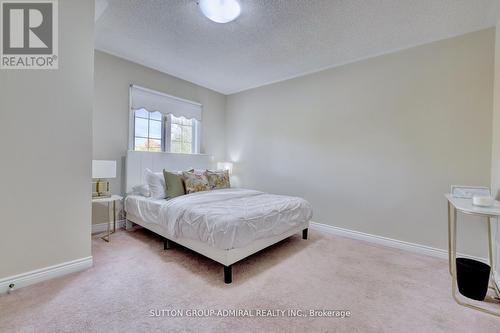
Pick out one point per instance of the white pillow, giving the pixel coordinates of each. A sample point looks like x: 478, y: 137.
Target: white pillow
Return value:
x: 156, y: 184
x: 142, y: 189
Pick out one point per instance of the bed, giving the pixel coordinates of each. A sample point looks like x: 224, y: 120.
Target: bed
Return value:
x: 225, y: 225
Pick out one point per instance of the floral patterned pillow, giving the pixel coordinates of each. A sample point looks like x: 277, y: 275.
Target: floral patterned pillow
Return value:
x: 218, y: 179
x: 195, y: 182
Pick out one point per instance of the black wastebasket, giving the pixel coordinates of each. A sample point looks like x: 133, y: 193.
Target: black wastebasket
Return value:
x: 472, y: 278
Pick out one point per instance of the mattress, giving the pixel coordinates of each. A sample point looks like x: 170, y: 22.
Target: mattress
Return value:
x: 224, y: 218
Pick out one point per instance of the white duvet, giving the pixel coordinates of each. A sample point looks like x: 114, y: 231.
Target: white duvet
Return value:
x: 225, y: 218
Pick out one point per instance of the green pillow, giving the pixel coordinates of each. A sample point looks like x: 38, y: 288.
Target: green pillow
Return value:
x: 174, y: 184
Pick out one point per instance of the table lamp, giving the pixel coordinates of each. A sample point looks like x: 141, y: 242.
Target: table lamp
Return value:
x: 102, y: 170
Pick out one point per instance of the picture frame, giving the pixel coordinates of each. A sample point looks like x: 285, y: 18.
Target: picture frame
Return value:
x: 467, y: 192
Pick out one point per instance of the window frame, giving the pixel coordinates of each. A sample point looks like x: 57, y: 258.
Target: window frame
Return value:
x: 197, y: 123
x: 194, y: 135
x: 149, y: 137
x: 166, y: 133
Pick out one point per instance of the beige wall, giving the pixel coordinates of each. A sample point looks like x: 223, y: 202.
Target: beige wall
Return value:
x: 375, y: 144
x: 495, y: 162
x: 495, y: 153
x: 113, y: 77
x: 45, y: 130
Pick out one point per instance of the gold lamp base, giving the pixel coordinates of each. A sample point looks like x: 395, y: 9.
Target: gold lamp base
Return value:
x: 101, y: 189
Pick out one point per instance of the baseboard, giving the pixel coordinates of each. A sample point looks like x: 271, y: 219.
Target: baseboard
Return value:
x: 101, y: 227
x: 389, y: 242
x: 39, y: 275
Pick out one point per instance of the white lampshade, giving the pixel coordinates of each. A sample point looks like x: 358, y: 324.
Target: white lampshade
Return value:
x: 103, y: 169
x: 225, y: 166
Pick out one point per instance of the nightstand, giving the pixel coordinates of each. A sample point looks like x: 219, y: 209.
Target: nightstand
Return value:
x: 490, y: 214
x: 111, y: 201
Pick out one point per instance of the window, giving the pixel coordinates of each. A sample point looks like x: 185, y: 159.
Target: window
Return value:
x: 148, y: 130
x: 160, y: 122
x: 181, y: 134
x: 155, y: 132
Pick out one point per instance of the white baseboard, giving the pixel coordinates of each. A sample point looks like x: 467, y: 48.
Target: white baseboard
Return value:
x: 389, y: 242
x: 101, y: 227
x: 39, y: 275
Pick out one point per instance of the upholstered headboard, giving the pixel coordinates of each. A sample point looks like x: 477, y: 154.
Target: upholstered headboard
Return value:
x: 138, y: 161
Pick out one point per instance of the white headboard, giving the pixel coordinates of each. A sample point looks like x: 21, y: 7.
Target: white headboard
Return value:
x: 138, y: 161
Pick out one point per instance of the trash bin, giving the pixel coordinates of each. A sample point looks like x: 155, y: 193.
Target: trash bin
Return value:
x: 473, y: 278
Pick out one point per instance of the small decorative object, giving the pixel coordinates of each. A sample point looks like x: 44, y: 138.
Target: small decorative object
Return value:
x: 467, y: 192
x: 483, y: 200
x: 102, y: 170
x: 225, y: 166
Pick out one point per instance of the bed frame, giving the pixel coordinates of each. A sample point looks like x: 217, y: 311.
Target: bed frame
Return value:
x: 138, y: 161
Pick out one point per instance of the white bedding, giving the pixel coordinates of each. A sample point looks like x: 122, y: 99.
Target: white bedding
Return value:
x: 225, y: 218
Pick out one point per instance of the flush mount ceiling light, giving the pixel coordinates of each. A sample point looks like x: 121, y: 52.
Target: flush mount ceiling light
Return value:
x: 220, y: 11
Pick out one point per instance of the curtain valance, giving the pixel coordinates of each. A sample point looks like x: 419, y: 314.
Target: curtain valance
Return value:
x: 152, y: 100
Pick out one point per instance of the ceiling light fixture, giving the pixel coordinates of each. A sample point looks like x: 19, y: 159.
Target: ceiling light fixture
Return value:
x: 220, y: 11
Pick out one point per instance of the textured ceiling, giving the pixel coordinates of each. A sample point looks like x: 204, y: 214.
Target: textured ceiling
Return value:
x: 274, y: 40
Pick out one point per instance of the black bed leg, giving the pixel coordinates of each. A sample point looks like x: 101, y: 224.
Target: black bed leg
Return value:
x: 228, y: 274
x: 304, y: 233
x: 167, y: 245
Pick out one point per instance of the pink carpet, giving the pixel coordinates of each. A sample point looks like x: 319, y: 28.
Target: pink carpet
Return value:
x: 385, y: 290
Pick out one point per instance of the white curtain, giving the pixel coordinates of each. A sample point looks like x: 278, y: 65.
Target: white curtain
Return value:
x: 157, y: 101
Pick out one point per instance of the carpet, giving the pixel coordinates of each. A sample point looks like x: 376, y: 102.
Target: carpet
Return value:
x: 136, y: 286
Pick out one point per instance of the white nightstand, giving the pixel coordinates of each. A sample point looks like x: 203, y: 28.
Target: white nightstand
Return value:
x: 491, y: 214
x: 110, y: 201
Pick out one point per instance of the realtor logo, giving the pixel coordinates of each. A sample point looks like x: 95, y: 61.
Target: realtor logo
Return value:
x: 29, y: 34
